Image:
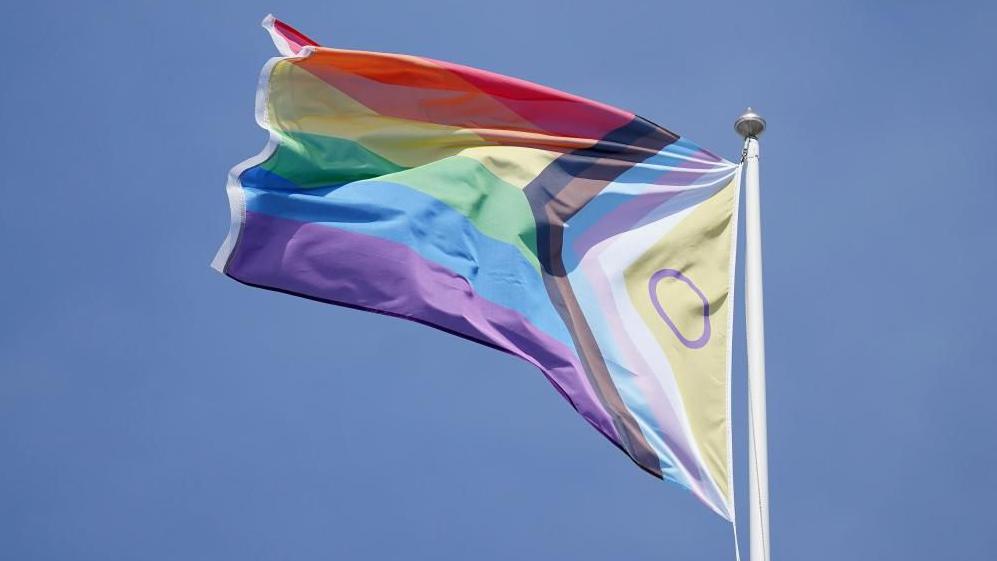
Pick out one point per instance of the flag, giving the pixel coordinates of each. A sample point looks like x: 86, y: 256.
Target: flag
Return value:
x: 586, y: 240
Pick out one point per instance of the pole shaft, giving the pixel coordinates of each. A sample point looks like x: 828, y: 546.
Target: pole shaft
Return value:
x: 758, y: 501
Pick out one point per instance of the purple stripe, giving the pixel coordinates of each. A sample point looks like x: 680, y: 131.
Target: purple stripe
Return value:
x: 359, y: 271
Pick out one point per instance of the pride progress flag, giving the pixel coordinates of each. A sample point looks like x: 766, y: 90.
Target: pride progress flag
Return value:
x: 588, y: 241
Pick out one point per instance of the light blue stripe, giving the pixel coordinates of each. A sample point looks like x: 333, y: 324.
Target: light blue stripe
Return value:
x: 495, y: 270
x: 637, y: 182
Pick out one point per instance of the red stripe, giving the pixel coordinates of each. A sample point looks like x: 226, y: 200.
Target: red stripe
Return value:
x: 449, y: 94
x: 295, y: 39
x: 548, y: 108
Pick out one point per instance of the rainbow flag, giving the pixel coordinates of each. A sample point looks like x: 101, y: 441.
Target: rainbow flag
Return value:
x: 582, y: 238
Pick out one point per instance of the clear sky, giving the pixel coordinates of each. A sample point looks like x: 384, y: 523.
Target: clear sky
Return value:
x: 152, y: 409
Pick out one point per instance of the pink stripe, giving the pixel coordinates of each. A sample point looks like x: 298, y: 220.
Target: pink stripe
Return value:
x: 624, y: 216
x: 666, y: 422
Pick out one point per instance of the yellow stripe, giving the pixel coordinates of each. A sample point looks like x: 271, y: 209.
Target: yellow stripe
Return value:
x: 699, y: 246
x: 301, y: 102
x: 513, y: 164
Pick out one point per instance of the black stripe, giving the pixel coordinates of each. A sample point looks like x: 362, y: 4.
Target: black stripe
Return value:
x: 557, y: 194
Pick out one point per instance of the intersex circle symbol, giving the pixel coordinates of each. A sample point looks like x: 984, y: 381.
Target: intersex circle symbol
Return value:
x: 653, y: 292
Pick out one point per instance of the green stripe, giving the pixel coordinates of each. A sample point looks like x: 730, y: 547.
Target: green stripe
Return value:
x: 311, y: 160
x: 498, y: 209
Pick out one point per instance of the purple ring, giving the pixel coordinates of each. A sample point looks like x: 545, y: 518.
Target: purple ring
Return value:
x: 652, y: 291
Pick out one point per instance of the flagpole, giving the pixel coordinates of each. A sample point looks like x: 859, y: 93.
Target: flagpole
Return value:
x: 750, y: 125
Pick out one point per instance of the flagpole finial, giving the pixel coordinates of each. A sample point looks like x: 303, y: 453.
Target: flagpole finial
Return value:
x: 750, y: 124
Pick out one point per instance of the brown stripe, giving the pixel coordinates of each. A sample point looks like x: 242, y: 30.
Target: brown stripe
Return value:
x: 556, y: 195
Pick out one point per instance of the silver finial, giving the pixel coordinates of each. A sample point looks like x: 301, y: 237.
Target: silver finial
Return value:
x: 750, y: 124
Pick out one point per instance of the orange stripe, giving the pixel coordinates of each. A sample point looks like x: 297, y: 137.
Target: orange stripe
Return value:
x: 431, y: 91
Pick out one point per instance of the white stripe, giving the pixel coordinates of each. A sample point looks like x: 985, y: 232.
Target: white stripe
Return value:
x: 617, y: 254
x: 236, y: 197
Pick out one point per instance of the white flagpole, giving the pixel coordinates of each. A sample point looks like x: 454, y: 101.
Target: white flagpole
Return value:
x: 750, y: 125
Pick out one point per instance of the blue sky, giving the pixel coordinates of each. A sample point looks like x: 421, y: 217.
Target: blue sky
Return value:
x: 153, y: 409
